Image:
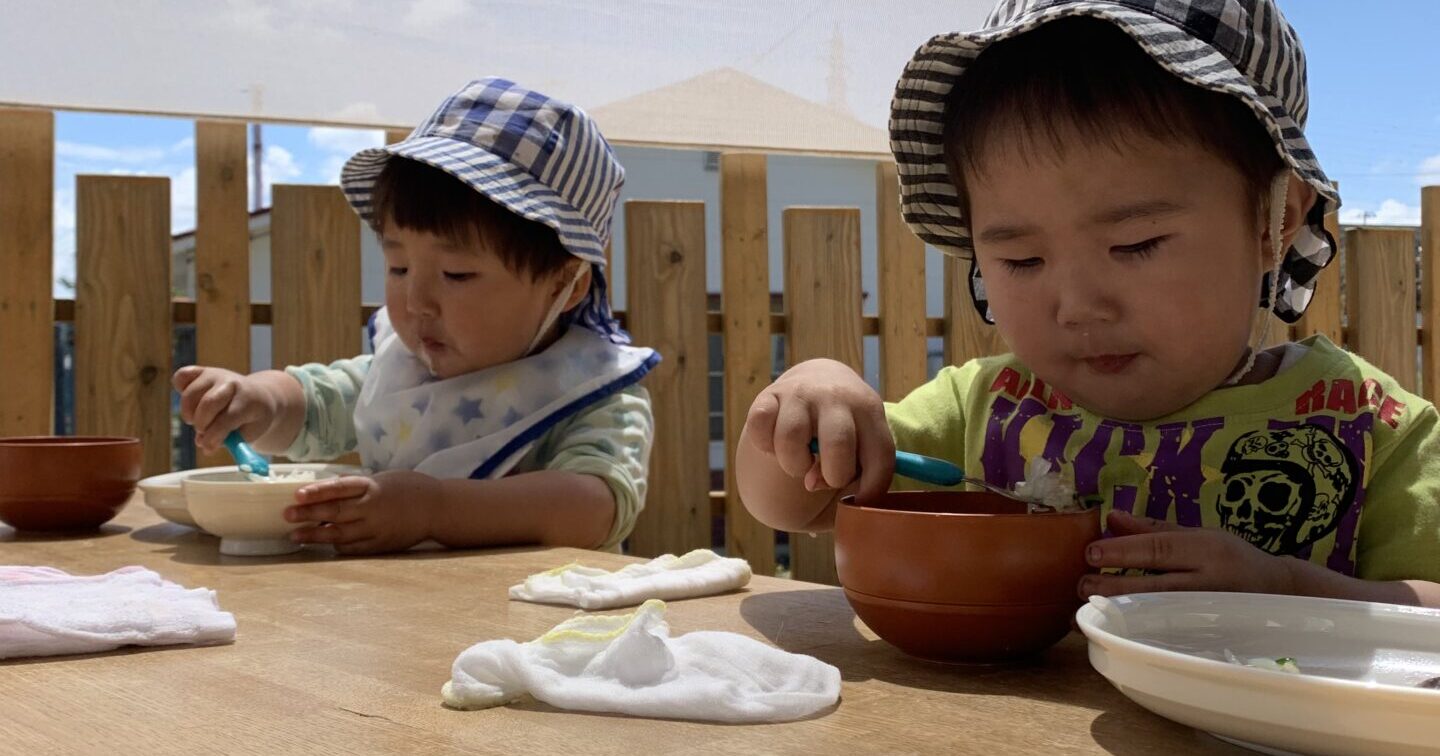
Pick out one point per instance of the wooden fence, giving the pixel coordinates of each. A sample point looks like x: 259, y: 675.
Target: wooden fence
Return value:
x: 124, y: 313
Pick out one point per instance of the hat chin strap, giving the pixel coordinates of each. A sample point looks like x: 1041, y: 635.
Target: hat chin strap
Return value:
x: 556, y: 308
x: 1260, y: 332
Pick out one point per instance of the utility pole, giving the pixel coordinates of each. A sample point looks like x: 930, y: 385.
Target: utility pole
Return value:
x: 257, y: 155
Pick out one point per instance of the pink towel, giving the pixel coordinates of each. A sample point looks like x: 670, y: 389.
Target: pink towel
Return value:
x: 45, y: 612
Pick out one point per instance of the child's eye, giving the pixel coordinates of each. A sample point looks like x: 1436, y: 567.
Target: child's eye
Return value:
x: 396, y: 270
x: 1022, y: 266
x: 1141, y: 250
x: 458, y: 276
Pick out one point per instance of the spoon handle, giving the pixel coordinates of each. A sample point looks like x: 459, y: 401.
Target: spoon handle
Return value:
x: 918, y: 467
x: 246, y: 457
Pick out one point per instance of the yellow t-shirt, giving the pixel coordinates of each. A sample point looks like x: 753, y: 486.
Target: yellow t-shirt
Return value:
x: 1330, y: 460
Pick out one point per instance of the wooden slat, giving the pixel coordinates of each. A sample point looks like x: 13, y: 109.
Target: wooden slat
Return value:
x: 222, y: 253
x: 1380, y: 273
x: 967, y: 335
x: 1324, y: 316
x: 902, y: 292
x: 1430, y: 277
x: 122, y: 312
x: 315, y: 275
x: 396, y: 135
x: 823, y: 299
x: 665, y: 255
x: 745, y: 303
x: 27, y: 331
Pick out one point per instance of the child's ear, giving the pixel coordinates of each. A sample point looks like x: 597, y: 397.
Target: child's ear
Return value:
x: 582, y: 284
x: 1299, y: 198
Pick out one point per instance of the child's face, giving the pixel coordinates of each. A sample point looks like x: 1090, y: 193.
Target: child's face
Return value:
x: 1127, y: 279
x: 457, y: 307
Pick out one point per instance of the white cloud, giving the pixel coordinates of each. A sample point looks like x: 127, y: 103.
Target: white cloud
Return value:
x: 433, y: 15
x: 277, y: 167
x: 1429, y: 173
x: 182, y: 200
x: 1392, y: 212
x: 338, y: 145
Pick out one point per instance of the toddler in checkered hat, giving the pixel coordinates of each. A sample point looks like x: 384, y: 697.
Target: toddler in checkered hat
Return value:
x: 1127, y: 180
x: 501, y: 404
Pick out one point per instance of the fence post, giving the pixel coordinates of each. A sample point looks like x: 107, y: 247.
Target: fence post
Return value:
x: 122, y: 312
x: 27, y: 308
x: 823, y: 304
x: 665, y: 255
x: 745, y: 305
x: 1380, y: 272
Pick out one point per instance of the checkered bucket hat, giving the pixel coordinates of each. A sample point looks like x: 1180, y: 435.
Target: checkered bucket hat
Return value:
x: 540, y: 158
x: 1241, y: 48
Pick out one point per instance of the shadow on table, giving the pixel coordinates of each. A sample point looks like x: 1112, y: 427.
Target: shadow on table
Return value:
x: 530, y: 704
x: 1119, y: 732
x: 821, y: 624
x: 10, y: 535
x: 122, y: 651
x: 189, y: 546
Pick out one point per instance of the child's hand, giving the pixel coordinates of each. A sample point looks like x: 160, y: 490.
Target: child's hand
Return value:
x: 1189, y: 559
x: 389, y: 512
x: 216, y: 401
x: 825, y: 400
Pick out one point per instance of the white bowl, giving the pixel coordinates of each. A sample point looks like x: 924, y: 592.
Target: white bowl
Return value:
x: 248, y: 516
x: 163, y: 493
x: 1360, y: 664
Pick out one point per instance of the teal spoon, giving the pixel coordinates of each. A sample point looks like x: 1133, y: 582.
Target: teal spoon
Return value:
x: 931, y: 470
x: 245, y: 457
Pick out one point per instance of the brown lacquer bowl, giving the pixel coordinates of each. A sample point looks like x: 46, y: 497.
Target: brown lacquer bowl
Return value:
x: 965, y: 577
x: 66, y: 483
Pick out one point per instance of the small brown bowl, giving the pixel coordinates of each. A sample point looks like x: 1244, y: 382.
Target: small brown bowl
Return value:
x: 963, y: 576
x: 66, y: 483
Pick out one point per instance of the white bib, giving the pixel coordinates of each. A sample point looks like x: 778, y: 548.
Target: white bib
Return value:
x: 478, y: 425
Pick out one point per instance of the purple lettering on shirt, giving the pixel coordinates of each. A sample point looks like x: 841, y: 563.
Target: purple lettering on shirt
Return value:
x: 1060, y: 433
x: 1000, y: 459
x: 1353, y: 434
x: 1175, y: 472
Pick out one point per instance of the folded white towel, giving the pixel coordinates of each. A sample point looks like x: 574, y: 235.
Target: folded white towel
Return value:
x: 629, y: 664
x: 45, y: 612
x: 699, y: 573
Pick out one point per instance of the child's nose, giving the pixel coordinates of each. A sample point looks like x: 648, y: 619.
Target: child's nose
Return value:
x: 1085, y: 295
x: 420, y: 299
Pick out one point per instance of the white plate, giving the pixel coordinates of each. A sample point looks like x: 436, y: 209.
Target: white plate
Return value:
x: 163, y: 493
x: 1360, y: 664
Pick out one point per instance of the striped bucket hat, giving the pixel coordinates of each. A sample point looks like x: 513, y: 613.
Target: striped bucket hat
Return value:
x: 1241, y: 48
x: 540, y: 158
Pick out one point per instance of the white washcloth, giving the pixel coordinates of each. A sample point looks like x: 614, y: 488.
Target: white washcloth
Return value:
x: 700, y: 573
x: 629, y: 664
x: 45, y: 612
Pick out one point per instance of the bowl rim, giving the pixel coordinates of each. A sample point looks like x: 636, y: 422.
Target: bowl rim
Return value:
x: 33, y: 442
x: 203, y: 479
x: 849, y: 501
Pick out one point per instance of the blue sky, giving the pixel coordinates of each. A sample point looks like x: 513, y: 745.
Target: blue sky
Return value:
x: 1374, y: 121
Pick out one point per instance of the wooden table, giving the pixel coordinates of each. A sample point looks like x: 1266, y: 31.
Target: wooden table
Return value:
x: 347, y: 655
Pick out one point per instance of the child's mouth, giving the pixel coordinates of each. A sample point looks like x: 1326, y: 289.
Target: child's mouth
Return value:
x: 1110, y: 364
x: 431, y: 345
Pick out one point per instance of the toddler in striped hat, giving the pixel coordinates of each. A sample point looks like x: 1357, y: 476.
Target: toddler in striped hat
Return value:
x: 1127, y: 180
